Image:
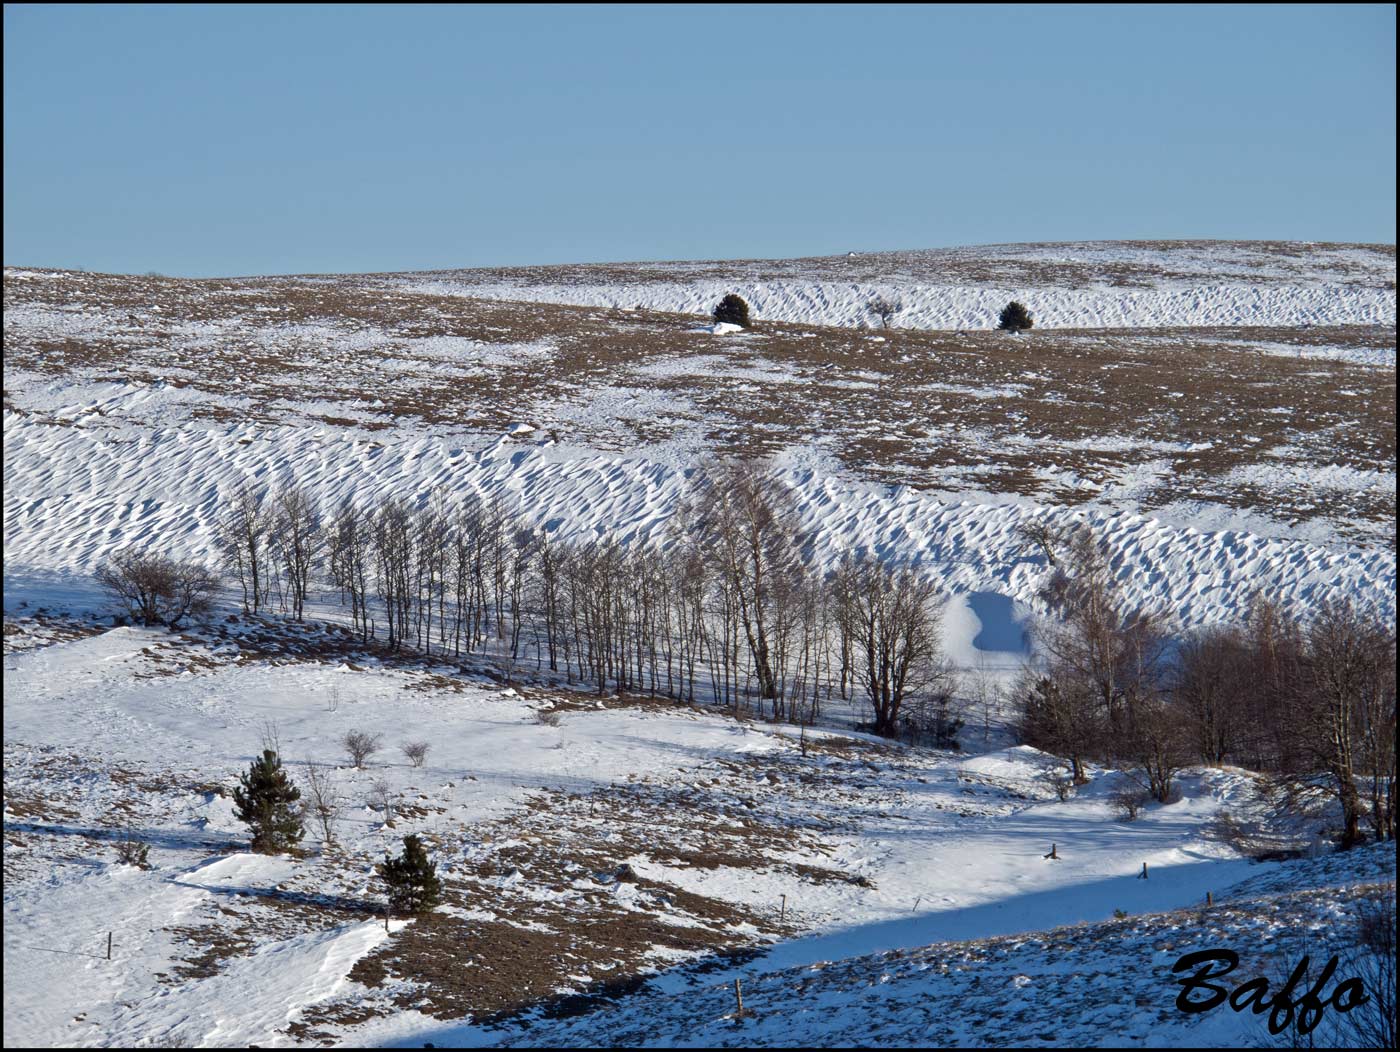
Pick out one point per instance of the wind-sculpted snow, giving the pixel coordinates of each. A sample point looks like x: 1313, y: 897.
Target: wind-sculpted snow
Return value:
x: 1065, y: 285
x: 960, y: 307
x: 76, y: 493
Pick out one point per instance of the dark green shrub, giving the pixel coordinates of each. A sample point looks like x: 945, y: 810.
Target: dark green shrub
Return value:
x: 1015, y: 317
x: 412, y: 879
x: 734, y: 310
x: 266, y: 800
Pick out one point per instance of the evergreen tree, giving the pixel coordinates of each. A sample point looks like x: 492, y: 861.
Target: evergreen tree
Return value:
x: 413, y: 883
x: 734, y: 310
x: 1015, y: 317
x: 266, y: 801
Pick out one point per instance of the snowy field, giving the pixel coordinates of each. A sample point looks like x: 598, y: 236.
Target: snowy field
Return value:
x: 1069, y: 286
x: 1272, y: 431
x: 877, y: 848
x: 1223, y: 415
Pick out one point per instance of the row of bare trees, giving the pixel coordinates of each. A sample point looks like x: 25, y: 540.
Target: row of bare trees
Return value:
x: 272, y: 544
x: 729, y: 608
x: 1277, y: 693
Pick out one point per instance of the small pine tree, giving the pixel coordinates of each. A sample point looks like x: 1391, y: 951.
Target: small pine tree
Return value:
x: 412, y: 879
x: 734, y: 310
x: 265, y: 800
x: 1015, y: 317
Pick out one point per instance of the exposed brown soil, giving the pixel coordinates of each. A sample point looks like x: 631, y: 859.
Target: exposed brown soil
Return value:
x: 1059, y: 415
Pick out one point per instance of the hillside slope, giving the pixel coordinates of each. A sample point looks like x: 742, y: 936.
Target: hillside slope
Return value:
x: 749, y: 855
x: 1076, y: 285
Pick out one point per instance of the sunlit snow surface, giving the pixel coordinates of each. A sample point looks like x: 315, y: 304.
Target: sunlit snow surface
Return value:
x: 1082, y: 285
x: 108, y: 726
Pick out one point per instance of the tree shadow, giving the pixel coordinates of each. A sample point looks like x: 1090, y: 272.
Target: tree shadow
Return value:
x: 162, y: 838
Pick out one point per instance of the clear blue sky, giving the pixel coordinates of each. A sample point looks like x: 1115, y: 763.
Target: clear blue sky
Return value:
x: 249, y: 140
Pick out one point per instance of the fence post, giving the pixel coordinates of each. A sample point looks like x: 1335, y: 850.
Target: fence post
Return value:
x: 109, y: 946
x: 739, y: 1001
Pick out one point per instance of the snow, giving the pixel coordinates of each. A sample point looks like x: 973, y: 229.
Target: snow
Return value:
x: 914, y: 880
x: 1065, y: 286
x: 74, y: 495
x: 948, y: 847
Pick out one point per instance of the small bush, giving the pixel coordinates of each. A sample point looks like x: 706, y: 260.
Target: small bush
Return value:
x: 361, y: 745
x: 416, y: 752
x: 381, y: 798
x: 547, y: 719
x: 412, y: 879
x: 1129, y: 803
x: 1015, y: 317
x: 156, y: 589
x: 133, y: 852
x: 1058, y: 780
x: 1120, y: 914
x: 733, y: 310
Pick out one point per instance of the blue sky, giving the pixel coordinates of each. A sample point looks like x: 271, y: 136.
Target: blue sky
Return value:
x: 234, y: 140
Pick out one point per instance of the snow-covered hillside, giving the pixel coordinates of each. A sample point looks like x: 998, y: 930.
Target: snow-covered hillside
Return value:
x: 1217, y: 463
x: 78, y: 493
x: 1067, y: 286
x: 614, y: 862
x: 740, y: 842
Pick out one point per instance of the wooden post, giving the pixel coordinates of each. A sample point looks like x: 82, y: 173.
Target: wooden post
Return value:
x: 109, y: 946
x: 1143, y: 874
x: 1208, y: 902
x: 1052, y: 853
x: 739, y: 1001
x: 782, y: 910
x: 916, y: 903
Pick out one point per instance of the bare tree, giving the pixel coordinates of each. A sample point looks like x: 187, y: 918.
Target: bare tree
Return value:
x: 1350, y: 674
x: 1275, y: 657
x: 323, y: 800
x: 416, y: 752
x: 1059, y: 715
x: 1096, y: 641
x: 297, y: 538
x: 1129, y: 802
x: 1155, y: 746
x: 361, y: 745
x: 884, y: 306
x: 350, y: 545
x: 895, y: 627
x: 156, y: 589
x: 1058, y: 780
x: 242, y: 533
x: 381, y: 798
x: 1042, y: 536
x: 744, y: 519
x: 1209, y: 684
